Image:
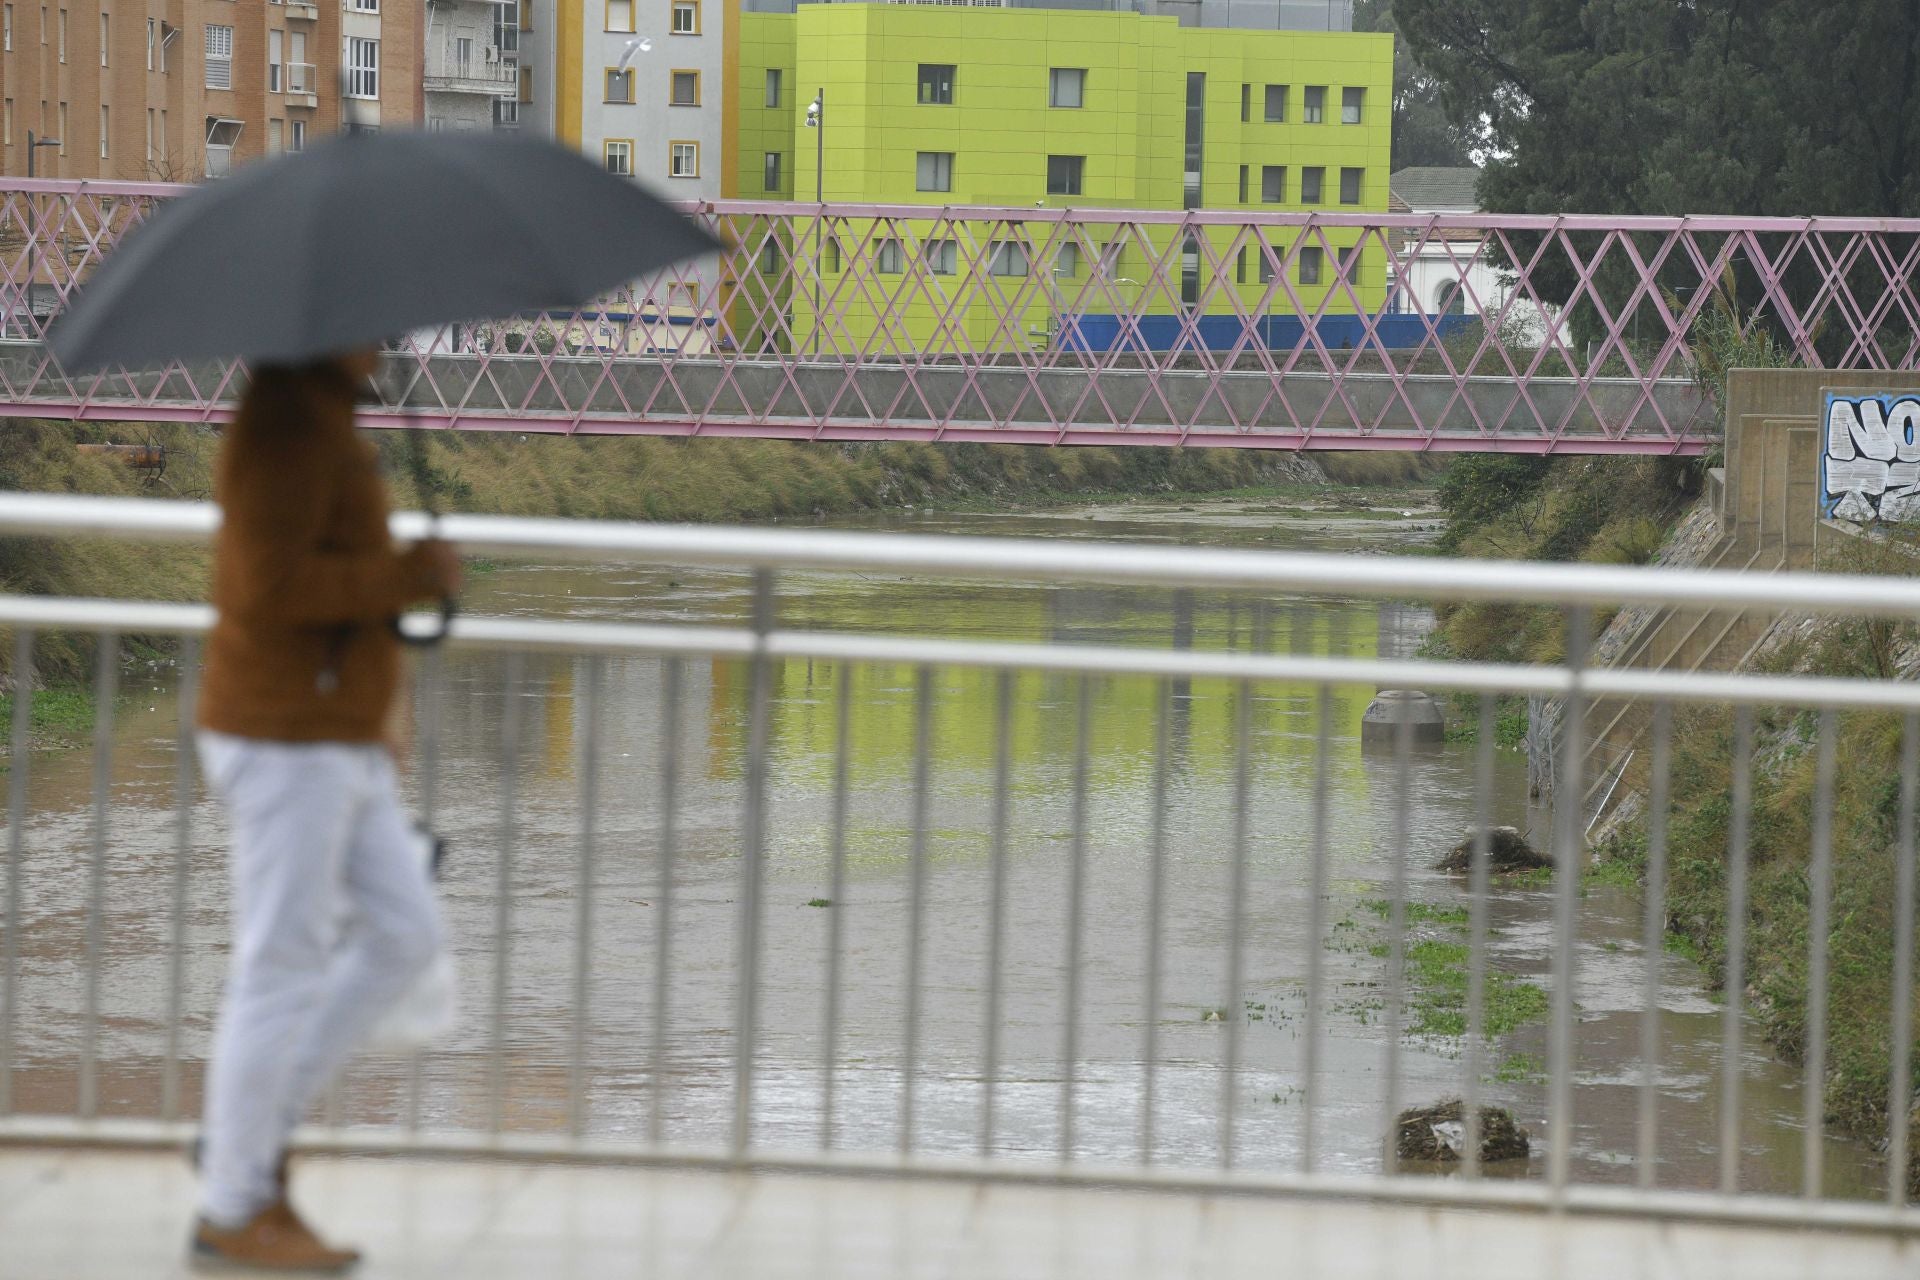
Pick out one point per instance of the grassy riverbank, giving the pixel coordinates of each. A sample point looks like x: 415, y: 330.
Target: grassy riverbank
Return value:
x: 751, y: 480
x: 1865, y: 829
x: 1622, y: 511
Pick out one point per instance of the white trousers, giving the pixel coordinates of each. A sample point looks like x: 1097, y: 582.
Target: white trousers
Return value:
x: 333, y: 918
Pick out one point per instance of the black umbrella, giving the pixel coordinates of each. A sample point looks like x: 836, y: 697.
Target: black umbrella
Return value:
x: 363, y: 238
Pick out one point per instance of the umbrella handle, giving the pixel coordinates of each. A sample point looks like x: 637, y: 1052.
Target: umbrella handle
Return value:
x: 448, y: 608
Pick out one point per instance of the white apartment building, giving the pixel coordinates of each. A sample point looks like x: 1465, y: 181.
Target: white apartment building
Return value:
x: 635, y: 84
x: 471, y: 61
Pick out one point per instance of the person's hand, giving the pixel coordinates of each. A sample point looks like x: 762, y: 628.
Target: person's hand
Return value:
x: 443, y: 567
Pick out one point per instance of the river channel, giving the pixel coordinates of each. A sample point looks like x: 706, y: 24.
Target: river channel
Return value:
x: 694, y: 1091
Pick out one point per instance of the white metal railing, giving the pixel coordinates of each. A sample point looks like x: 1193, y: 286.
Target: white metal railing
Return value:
x: 777, y: 1068
x: 302, y: 77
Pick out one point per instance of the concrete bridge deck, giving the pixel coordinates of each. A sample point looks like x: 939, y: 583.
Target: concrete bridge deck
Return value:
x: 91, y: 1215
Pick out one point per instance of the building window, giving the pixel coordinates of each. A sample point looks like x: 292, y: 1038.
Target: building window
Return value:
x: 1190, y: 272
x: 1007, y: 258
x: 463, y: 57
x: 1311, y: 182
x: 1350, y: 186
x: 219, y: 57
x: 1273, y: 184
x: 6, y: 27
x: 936, y: 83
x: 1310, y: 265
x: 274, y: 59
x: 105, y: 40
x: 149, y: 128
x: 771, y: 178
x: 686, y: 18
x: 1064, y: 174
x: 620, y: 15
x: 506, y: 27
x: 1349, y: 263
x: 1240, y: 266
x: 363, y: 68
x: 943, y: 257
x: 1246, y: 103
x: 1276, y: 103
x: 153, y: 41
x: 300, y: 72
x: 1067, y: 87
x: 1316, y: 106
x: 1194, y: 151
x: 888, y: 260
x: 65, y: 133
x: 299, y: 139
x: 686, y: 89
x: 617, y: 155
x: 276, y: 137
x: 683, y: 160
x: 222, y: 135
x: 105, y: 128
x: 1243, y: 184
x: 830, y: 253
x: 526, y: 86
x: 619, y: 86
x: 773, y: 86
x: 364, y: 6
x: 9, y: 120
x: 63, y: 39
x: 1352, y: 103
x: 934, y: 171
x: 1266, y: 265
x: 506, y: 113
x: 1066, y: 261
x: 770, y: 257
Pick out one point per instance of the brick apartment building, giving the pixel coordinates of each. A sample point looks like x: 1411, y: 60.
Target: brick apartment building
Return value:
x: 180, y: 90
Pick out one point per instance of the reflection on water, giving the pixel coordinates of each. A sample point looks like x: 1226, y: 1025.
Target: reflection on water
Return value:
x: 695, y: 1093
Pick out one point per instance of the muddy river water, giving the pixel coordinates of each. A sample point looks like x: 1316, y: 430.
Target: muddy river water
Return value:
x: 694, y: 1093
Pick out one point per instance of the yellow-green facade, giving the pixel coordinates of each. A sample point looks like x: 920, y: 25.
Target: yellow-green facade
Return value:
x: 1129, y: 134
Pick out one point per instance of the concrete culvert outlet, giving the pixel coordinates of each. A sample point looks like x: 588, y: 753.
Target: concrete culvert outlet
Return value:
x: 1391, y: 708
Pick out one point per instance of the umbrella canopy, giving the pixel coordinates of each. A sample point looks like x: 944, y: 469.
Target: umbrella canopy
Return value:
x: 363, y: 238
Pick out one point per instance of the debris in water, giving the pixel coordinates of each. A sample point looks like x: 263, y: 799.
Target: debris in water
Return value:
x: 1507, y: 850
x: 1437, y: 1135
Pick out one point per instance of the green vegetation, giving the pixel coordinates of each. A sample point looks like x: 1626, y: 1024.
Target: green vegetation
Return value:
x: 1437, y: 993
x: 47, y: 458
x: 819, y: 902
x: 1521, y: 1068
x: 1866, y: 809
x: 1419, y: 912
x: 60, y: 713
x: 1597, y: 510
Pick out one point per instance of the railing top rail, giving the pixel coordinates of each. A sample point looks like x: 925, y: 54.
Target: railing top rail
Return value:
x: 1174, y: 217
x: 949, y: 556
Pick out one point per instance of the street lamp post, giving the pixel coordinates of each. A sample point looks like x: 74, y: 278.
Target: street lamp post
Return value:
x: 33, y: 261
x: 816, y: 121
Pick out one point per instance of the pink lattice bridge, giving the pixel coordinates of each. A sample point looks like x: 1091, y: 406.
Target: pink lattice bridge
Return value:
x: 1570, y: 334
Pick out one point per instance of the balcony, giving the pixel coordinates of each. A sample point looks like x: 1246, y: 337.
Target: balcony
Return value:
x: 303, y: 10
x: 490, y: 77
x: 303, y: 85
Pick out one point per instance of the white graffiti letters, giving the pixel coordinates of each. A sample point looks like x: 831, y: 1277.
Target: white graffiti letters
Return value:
x: 1870, y: 458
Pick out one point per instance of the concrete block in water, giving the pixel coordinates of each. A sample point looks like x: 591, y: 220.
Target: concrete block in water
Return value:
x: 1393, y: 707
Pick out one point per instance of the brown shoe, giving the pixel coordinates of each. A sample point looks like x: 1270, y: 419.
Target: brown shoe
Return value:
x: 275, y: 1240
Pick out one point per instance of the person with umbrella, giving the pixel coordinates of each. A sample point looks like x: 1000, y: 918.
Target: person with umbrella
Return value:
x: 303, y: 661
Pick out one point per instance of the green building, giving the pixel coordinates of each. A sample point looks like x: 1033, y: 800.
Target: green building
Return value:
x: 1022, y: 109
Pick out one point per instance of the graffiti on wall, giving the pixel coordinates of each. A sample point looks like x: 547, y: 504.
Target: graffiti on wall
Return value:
x: 1870, y: 457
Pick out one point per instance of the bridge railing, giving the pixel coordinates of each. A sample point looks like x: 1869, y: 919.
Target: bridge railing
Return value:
x: 1149, y: 913
x: 1099, y: 326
